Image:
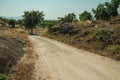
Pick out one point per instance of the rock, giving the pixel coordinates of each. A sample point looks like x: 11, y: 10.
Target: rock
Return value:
x: 10, y: 52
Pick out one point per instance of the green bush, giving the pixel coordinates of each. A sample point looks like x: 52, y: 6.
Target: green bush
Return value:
x: 85, y: 16
x: 3, y: 77
x: 103, y: 35
x: 68, y: 18
x: 116, y: 36
x: 11, y: 23
x: 113, y: 48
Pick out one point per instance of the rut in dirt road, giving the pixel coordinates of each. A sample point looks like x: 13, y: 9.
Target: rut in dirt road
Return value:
x: 58, y: 61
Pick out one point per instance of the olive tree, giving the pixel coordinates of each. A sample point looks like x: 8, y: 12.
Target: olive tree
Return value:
x: 107, y: 10
x: 85, y: 16
x: 68, y: 18
x: 32, y: 18
x: 11, y: 23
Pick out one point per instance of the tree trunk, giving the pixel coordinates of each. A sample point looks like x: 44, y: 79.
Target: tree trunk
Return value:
x: 31, y: 31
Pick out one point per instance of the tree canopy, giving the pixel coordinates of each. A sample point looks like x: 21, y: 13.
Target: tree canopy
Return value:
x: 11, y: 22
x: 107, y: 10
x: 68, y: 18
x: 48, y: 23
x: 85, y: 16
x: 32, y: 18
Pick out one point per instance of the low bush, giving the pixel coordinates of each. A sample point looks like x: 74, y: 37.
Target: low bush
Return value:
x: 103, y: 35
x: 113, y: 48
x: 3, y: 77
x: 116, y: 36
x: 66, y: 27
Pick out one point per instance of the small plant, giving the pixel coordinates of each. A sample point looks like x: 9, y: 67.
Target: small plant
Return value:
x: 11, y: 23
x: 3, y: 77
x: 113, y: 48
x: 103, y: 35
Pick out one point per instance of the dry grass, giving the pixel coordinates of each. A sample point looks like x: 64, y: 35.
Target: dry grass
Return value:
x: 25, y: 67
x: 13, y: 32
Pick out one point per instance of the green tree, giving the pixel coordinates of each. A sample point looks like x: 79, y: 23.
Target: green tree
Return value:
x: 112, y: 7
x: 85, y: 16
x: 32, y: 18
x: 3, y: 77
x: 19, y: 22
x: 48, y: 23
x: 101, y: 13
x: 11, y: 22
x: 107, y: 10
x: 4, y: 19
x: 68, y: 18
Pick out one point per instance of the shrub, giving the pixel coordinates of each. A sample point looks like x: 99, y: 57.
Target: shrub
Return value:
x: 3, y: 77
x: 68, y: 18
x: 116, y: 36
x: 113, y: 48
x: 85, y: 16
x: 11, y: 22
x: 103, y: 35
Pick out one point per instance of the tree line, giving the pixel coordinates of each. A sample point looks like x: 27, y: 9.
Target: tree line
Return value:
x: 103, y: 11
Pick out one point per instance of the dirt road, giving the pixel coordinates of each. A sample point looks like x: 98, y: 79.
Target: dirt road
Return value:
x: 58, y: 61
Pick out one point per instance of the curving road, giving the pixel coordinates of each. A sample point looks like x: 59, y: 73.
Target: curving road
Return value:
x: 58, y: 61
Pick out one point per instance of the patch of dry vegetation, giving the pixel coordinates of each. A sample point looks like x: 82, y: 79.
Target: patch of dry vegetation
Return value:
x: 10, y: 52
x: 13, y: 32
x: 24, y: 67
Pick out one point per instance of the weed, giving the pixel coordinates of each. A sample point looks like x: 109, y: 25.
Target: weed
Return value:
x: 3, y: 77
x: 113, y: 48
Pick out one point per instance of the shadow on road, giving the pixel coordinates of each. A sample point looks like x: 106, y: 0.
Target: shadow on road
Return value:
x: 34, y: 34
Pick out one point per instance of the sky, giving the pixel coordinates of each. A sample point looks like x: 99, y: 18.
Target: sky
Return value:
x: 51, y: 8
